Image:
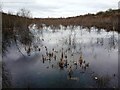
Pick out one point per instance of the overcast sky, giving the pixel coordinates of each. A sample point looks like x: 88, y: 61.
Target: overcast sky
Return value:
x: 59, y: 8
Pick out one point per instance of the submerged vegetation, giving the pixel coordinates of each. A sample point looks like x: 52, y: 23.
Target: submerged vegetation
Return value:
x: 65, y: 57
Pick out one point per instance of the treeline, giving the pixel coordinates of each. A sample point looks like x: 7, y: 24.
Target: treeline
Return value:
x: 16, y: 25
x: 108, y: 20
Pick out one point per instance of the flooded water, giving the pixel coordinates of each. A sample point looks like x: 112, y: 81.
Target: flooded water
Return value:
x: 66, y: 57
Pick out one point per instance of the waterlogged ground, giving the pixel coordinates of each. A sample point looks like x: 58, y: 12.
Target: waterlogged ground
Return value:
x: 71, y: 58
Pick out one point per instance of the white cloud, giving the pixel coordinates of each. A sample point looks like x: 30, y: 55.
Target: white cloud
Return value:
x: 59, y: 8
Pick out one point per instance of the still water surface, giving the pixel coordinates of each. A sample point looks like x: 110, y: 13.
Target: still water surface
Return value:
x: 97, y: 50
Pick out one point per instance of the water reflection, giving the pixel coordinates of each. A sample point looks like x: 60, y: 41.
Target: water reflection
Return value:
x: 71, y: 55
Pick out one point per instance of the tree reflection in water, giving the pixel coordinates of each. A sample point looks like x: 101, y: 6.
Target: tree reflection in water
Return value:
x: 71, y: 51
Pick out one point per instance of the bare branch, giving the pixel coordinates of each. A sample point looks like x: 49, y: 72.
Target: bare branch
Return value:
x: 24, y: 13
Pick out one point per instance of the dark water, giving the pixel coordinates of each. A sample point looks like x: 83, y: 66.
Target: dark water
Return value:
x: 97, y: 49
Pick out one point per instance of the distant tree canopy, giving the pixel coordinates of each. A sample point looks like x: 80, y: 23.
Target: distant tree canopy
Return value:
x: 99, y: 13
x: 24, y: 13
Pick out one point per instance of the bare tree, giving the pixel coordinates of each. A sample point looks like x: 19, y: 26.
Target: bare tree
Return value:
x: 10, y: 12
x: 21, y: 30
x: 24, y: 13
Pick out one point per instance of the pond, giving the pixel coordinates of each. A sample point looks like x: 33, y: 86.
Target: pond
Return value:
x: 66, y: 57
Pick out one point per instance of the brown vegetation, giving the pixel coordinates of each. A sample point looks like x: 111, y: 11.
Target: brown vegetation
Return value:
x: 108, y: 20
x: 17, y: 25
